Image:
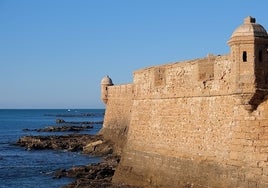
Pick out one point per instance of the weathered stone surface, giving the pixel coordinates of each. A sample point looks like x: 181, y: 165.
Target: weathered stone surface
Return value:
x: 198, y: 123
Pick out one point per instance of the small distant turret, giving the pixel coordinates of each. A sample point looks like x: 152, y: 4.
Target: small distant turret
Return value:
x: 105, y: 82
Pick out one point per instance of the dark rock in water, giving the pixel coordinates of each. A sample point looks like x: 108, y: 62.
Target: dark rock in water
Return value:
x: 64, y: 128
x: 72, y: 142
x: 60, y: 121
x: 64, y: 142
x: 89, y: 176
x: 94, y: 175
x: 101, y: 170
x: 77, y: 115
x: 99, y: 147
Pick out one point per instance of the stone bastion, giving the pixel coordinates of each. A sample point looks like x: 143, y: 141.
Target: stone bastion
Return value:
x: 197, y: 123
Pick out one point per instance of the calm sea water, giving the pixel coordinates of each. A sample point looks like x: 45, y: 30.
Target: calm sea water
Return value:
x: 26, y: 169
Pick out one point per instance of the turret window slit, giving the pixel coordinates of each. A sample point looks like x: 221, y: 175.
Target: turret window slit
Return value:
x: 260, y: 56
x: 244, y: 56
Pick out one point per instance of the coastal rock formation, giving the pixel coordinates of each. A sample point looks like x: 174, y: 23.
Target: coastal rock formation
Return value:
x: 197, y: 123
x: 89, y: 176
x: 70, y: 114
x: 72, y: 142
x: 64, y: 128
x: 68, y: 126
x: 62, y: 121
x: 93, y: 175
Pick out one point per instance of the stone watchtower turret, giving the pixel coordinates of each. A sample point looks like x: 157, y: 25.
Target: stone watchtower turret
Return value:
x: 105, y: 82
x: 249, y: 56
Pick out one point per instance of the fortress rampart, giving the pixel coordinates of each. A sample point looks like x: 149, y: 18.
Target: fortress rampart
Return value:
x: 198, y: 123
x: 117, y: 114
x: 200, y: 77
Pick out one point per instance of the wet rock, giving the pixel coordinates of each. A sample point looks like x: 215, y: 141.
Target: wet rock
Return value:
x: 83, y: 122
x: 71, y: 142
x: 77, y: 115
x: 88, y: 176
x: 64, y: 128
x: 99, y: 147
x: 93, y: 176
x: 60, y: 121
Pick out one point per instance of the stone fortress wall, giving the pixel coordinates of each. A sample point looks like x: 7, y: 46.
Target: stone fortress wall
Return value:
x: 117, y: 114
x: 198, y: 123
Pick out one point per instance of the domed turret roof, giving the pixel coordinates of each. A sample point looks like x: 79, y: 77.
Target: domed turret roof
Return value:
x: 106, y: 81
x: 250, y: 28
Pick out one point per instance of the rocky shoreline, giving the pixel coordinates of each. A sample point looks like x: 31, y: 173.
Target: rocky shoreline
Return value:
x: 88, y: 176
x: 64, y: 128
x: 87, y: 144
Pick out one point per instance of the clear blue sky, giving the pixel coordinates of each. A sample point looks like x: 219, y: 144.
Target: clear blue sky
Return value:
x: 54, y: 53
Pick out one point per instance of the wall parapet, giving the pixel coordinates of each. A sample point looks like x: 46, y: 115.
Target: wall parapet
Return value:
x: 201, y: 77
x: 120, y: 91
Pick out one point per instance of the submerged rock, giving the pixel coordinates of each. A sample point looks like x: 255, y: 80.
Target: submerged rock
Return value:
x: 60, y: 121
